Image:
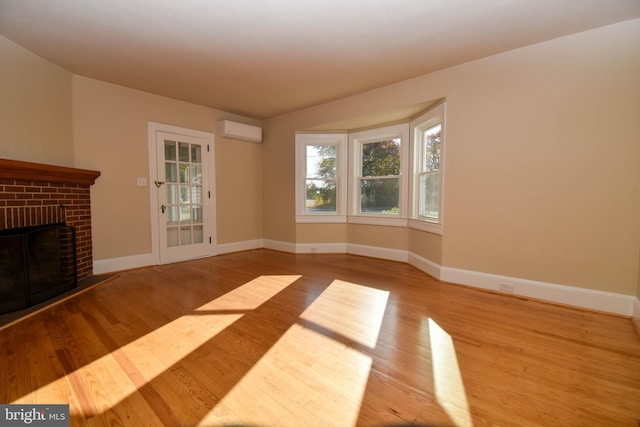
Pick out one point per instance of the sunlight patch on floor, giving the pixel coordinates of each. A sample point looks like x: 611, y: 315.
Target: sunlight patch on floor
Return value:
x: 152, y: 354
x: 249, y: 296
x: 311, y: 377
x: 354, y: 311
x: 448, y: 384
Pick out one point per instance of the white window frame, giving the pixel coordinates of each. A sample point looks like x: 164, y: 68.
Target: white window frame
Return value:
x: 339, y: 140
x: 356, y: 142
x: 434, y: 116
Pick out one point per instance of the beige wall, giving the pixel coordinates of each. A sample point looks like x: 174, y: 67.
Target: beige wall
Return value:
x: 111, y: 136
x: 638, y: 290
x: 637, y: 215
x: 426, y: 245
x: 35, y: 108
x: 379, y: 236
x: 324, y: 233
x: 279, y: 181
x: 542, y: 160
x: 239, y: 185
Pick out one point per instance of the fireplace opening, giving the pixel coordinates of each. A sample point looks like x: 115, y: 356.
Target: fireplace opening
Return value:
x: 36, y: 264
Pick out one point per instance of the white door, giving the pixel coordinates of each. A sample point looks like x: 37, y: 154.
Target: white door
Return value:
x: 182, y: 206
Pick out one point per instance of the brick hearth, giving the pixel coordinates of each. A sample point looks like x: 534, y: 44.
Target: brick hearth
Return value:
x: 37, y: 194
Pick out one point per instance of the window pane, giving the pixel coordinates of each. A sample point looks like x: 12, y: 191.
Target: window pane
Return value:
x: 196, y: 214
x: 172, y: 215
x: 185, y: 196
x: 432, y: 147
x: 196, y: 194
x: 429, y: 202
x: 185, y: 235
x: 321, y: 161
x: 196, y: 174
x: 185, y: 214
x: 184, y: 172
x: 172, y: 237
x: 381, y: 158
x: 196, y: 156
x: 172, y: 194
x: 170, y: 150
x: 170, y: 172
x: 184, y: 152
x: 198, y: 235
x: 321, y: 196
x: 380, y: 196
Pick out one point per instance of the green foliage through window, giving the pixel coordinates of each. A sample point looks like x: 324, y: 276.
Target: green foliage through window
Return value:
x: 379, y: 185
x: 321, y: 178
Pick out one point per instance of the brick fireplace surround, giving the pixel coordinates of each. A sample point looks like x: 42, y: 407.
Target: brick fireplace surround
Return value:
x: 37, y: 194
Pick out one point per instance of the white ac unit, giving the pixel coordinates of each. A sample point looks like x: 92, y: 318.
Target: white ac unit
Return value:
x: 235, y: 130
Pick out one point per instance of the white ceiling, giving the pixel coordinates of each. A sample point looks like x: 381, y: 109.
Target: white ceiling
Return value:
x: 263, y: 58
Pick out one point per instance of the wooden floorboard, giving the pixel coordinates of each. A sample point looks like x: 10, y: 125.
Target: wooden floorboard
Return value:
x: 83, y: 285
x: 265, y: 338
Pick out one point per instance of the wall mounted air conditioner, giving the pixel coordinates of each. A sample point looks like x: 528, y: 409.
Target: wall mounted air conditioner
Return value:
x: 235, y: 130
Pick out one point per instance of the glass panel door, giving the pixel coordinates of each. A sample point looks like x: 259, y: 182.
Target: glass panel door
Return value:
x: 184, y: 202
x: 181, y: 197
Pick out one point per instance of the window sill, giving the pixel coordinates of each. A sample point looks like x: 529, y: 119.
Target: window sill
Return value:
x: 431, y: 227
x: 378, y: 220
x: 321, y: 219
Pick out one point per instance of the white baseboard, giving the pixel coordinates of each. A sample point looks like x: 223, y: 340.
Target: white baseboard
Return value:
x: 247, y: 245
x: 144, y: 260
x: 377, y: 252
x: 121, y: 264
x: 307, y: 248
x: 279, y: 246
x: 321, y: 248
x: 338, y: 248
x: 562, y: 294
x: 636, y: 314
x: 609, y: 302
x: 423, y: 264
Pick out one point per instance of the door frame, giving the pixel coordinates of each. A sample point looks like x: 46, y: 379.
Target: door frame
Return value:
x: 209, y: 138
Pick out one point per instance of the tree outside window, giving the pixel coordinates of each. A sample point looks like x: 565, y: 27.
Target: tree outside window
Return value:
x: 321, y: 178
x: 429, y: 177
x: 429, y: 153
x: 380, y: 179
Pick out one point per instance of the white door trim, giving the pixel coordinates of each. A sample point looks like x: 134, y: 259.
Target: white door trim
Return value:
x: 154, y: 128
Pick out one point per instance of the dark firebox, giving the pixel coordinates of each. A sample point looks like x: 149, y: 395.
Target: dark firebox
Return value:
x: 36, y: 263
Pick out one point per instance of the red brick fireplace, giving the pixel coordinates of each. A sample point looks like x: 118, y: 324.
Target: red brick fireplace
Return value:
x: 34, y: 194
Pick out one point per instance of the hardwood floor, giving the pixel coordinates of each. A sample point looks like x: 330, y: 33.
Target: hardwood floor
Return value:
x: 264, y: 338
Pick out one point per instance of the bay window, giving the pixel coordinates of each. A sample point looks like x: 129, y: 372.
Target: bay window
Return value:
x: 367, y: 177
x: 321, y: 189
x: 428, y: 165
x: 378, y: 175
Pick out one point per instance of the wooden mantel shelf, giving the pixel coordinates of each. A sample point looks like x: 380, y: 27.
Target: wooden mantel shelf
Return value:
x: 14, y: 169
